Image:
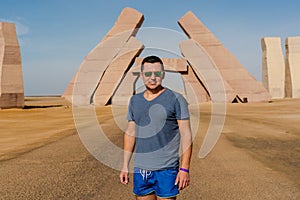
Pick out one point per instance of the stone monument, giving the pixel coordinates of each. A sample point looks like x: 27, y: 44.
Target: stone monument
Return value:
x: 205, y: 68
x: 11, y: 79
x: 273, y: 67
x: 87, y: 80
x: 114, y: 73
x: 292, y: 45
x: 243, y: 84
x: 108, y: 74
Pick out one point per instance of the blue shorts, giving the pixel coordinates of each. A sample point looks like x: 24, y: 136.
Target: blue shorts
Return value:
x: 160, y: 182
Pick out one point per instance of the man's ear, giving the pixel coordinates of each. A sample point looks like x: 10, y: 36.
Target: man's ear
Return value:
x: 163, y: 75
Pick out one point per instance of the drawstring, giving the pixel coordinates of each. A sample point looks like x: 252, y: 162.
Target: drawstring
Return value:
x: 145, y: 173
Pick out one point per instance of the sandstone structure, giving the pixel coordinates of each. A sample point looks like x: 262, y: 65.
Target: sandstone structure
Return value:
x: 170, y: 64
x: 206, y: 70
x: 209, y: 71
x: 83, y: 87
x: 292, y: 87
x: 195, y: 90
x: 115, y: 72
x: 273, y: 67
x: 11, y: 79
x: 126, y: 89
x: 242, y: 82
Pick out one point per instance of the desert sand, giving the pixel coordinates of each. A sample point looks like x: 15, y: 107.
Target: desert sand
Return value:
x: 256, y: 157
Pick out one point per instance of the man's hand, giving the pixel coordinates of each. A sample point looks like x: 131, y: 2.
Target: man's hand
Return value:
x: 124, y: 179
x: 182, y: 180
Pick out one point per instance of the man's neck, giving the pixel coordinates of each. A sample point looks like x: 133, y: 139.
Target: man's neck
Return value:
x: 152, y: 93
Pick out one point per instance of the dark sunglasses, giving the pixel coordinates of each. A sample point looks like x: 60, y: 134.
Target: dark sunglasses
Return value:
x: 156, y: 74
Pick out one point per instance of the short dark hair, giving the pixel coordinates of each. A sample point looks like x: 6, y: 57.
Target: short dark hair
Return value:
x: 152, y: 59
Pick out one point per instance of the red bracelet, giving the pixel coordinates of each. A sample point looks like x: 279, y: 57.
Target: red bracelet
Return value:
x: 185, y: 170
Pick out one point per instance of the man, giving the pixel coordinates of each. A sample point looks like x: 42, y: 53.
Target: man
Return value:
x: 158, y: 122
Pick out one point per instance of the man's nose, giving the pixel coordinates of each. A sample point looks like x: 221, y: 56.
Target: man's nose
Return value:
x: 152, y: 76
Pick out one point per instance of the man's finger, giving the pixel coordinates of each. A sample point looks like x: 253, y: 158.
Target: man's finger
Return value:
x: 176, y: 181
x: 181, y: 185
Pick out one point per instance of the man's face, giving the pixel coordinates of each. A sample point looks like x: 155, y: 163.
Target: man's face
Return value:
x: 152, y: 75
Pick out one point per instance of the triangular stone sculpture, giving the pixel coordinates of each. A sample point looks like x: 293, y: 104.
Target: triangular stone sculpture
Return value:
x: 83, y: 87
x: 239, y: 79
x: 126, y: 88
x: 116, y: 70
x: 207, y: 71
x: 195, y: 90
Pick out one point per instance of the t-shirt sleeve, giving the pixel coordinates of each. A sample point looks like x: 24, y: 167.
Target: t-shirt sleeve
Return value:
x: 130, y: 116
x: 181, y: 108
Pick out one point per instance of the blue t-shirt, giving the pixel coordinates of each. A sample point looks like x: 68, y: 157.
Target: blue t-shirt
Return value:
x: 157, y: 131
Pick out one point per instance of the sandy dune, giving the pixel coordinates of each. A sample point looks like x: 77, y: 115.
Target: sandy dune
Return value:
x: 256, y: 157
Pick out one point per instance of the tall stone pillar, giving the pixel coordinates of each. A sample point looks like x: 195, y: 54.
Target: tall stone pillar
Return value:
x: 273, y: 67
x: 292, y: 85
x: 11, y: 79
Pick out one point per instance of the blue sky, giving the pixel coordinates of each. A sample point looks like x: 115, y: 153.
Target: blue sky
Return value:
x: 55, y: 35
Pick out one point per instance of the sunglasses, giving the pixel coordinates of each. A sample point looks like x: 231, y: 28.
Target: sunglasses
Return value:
x: 156, y: 74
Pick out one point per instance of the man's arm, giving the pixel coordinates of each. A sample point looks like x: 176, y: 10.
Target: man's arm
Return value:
x: 129, y: 142
x: 183, y: 177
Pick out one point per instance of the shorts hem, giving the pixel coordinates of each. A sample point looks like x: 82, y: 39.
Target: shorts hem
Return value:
x: 141, y: 195
x: 167, y: 196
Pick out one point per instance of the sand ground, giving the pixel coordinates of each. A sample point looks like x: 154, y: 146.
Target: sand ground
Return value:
x: 256, y: 157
